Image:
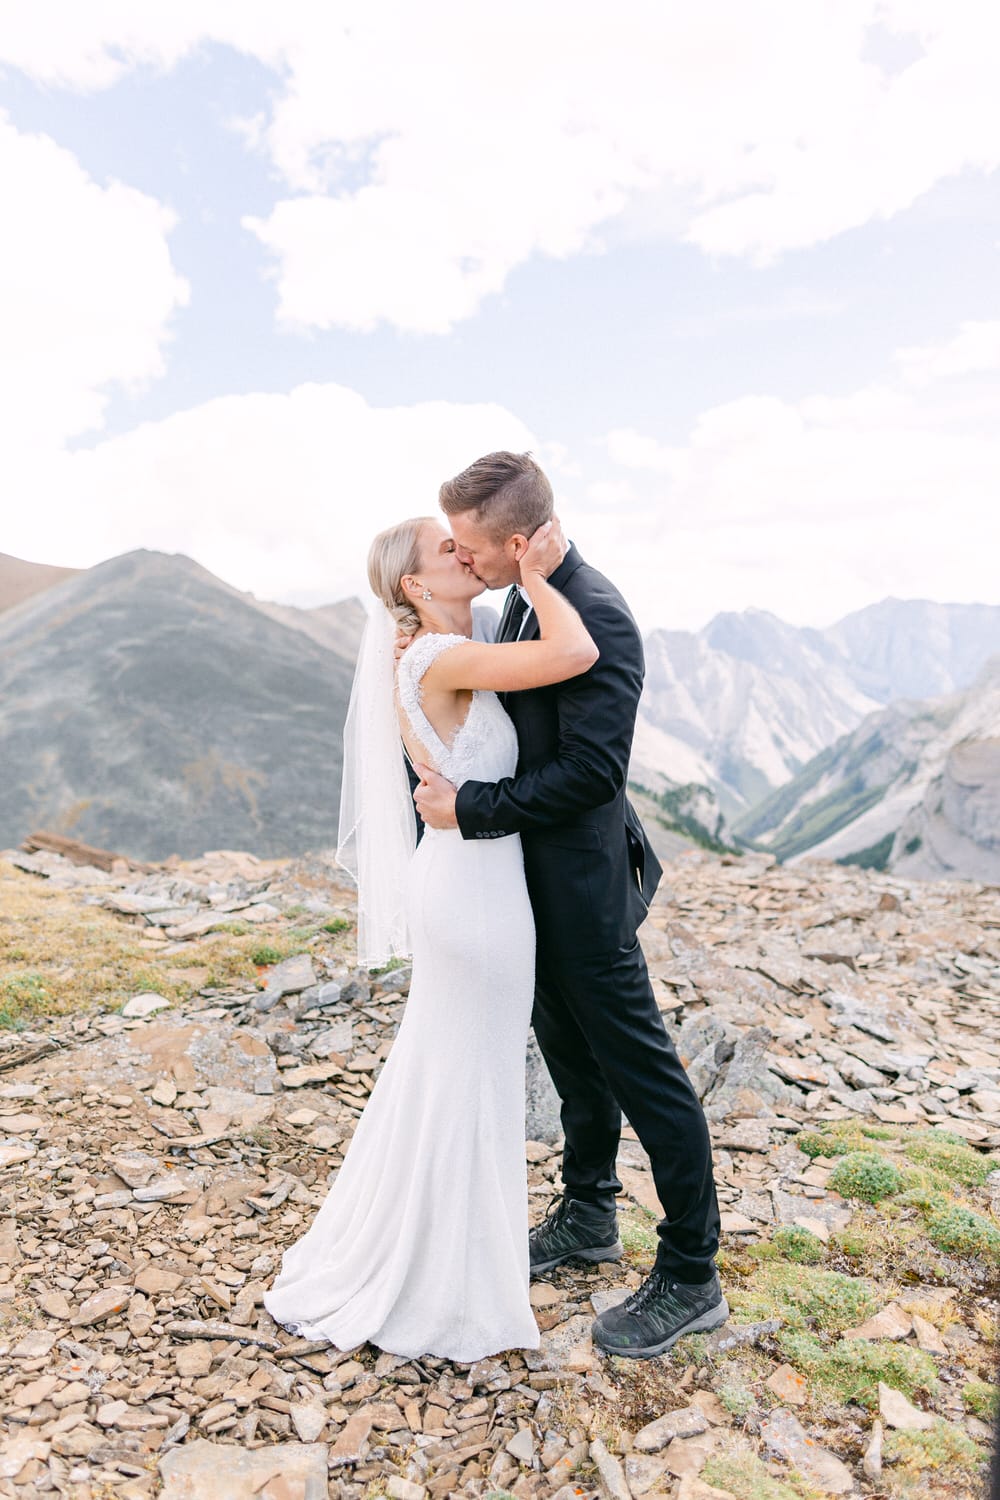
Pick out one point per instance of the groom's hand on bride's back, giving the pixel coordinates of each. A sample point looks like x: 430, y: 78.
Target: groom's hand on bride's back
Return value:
x: 435, y: 798
x: 399, y: 646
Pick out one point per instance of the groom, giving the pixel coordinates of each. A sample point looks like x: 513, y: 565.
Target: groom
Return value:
x: 591, y: 875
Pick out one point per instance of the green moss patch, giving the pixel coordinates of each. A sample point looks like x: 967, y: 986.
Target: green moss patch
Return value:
x: 798, y: 1244
x: 950, y: 1155
x: 959, y: 1231
x: 982, y: 1399
x: 742, y: 1473
x: 838, y: 1137
x: 942, y: 1446
x: 866, y: 1175
x: 851, y: 1369
x: 799, y: 1293
x: 637, y: 1232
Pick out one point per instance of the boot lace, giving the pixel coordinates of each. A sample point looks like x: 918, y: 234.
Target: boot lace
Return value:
x: 654, y: 1285
x: 554, y: 1213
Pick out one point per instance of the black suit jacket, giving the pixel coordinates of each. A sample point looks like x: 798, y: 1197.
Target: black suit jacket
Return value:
x: 590, y: 869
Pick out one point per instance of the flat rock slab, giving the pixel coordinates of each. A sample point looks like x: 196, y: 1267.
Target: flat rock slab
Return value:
x: 102, y: 1304
x: 745, y: 1135
x: 788, y: 1385
x: 928, y: 1337
x: 12, y: 1155
x: 896, y: 1411
x: 141, y: 1006
x: 689, y: 1455
x: 221, y: 1471
x: 693, y: 1488
x: 352, y: 1441
x: 174, y: 1045
x: 688, y: 1421
x: 793, y: 1208
x: 891, y: 1323
x: 610, y: 1470
x: 568, y: 1346
x: 739, y: 1336
x: 784, y: 1435
x: 643, y: 1472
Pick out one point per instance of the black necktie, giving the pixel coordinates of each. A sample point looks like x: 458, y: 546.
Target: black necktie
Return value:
x: 515, y: 616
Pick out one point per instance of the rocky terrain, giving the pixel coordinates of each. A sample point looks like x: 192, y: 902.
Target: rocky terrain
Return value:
x: 187, y: 1050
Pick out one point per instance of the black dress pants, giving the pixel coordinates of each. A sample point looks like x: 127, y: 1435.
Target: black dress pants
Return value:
x: 607, y: 1050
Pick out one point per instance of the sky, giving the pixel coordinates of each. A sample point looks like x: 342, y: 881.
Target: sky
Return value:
x: 268, y: 274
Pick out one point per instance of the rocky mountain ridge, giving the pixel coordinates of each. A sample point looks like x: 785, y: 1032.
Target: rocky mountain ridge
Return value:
x: 131, y: 713
x: 747, y: 702
x: 146, y: 705
x: 916, y: 787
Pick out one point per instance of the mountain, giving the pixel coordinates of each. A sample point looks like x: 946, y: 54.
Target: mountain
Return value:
x: 753, y: 700
x: 915, y: 788
x: 913, y: 648
x: 147, y: 706
x: 753, y: 697
x: 19, y: 580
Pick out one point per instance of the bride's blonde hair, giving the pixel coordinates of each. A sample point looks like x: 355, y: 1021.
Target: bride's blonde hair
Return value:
x: 393, y: 554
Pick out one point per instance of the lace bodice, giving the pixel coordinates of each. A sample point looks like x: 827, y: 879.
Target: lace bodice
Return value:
x: 484, y: 747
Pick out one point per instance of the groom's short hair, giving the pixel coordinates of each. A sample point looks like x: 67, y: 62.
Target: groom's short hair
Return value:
x: 507, y: 492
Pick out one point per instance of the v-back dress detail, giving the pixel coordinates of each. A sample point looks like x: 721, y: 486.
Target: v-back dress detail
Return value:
x: 421, y: 1245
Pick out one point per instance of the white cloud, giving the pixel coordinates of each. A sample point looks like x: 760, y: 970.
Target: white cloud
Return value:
x: 807, y: 508
x: 278, y: 494
x: 428, y: 151
x: 974, y: 350
x: 87, y: 290
x: 815, y: 507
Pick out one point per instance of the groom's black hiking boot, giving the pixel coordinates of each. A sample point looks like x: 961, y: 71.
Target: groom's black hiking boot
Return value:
x: 574, y: 1231
x: 652, y: 1319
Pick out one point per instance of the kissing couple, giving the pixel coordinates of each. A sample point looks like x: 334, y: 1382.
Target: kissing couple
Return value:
x: 519, y: 904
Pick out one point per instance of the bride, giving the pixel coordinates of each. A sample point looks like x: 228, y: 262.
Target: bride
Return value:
x: 421, y: 1245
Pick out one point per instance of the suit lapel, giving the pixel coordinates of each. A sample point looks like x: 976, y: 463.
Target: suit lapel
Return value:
x: 558, y: 580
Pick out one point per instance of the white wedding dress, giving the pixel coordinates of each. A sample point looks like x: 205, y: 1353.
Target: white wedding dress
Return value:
x: 421, y: 1245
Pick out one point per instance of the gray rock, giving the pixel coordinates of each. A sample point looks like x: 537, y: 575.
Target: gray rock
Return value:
x: 727, y: 1338
x: 141, y: 1006
x: 336, y: 1038
x: 784, y: 1435
x: 686, y: 1422
x: 397, y: 982
x: 522, y: 1446
x: 610, y: 1470
x: 328, y: 994
x: 643, y: 1473
x: 541, y: 1102
x: 849, y: 1011
x: 606, y: 1297
x: 872, y: 1460
x: 290, y: 977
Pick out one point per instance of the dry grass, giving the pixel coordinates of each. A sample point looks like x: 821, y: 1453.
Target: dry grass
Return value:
x: 59, y: 956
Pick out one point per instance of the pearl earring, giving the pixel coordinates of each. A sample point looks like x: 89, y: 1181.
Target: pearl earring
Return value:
x: 426, y: 594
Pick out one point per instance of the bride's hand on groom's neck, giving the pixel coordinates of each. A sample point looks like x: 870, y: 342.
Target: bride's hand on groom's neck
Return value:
x: 544, y: 552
